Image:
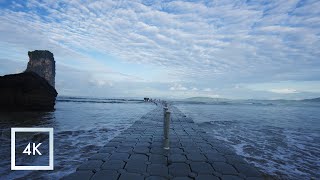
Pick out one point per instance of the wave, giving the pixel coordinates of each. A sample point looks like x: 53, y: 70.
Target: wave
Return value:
x: 97, y: 100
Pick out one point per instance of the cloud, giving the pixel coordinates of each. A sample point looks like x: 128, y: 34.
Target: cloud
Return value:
x: 284, y: 91
x: 207, y: 89
x: 178, y: 87
x: 199, y: 43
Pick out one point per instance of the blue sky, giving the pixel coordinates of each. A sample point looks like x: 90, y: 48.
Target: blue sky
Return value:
x: 176, y: 49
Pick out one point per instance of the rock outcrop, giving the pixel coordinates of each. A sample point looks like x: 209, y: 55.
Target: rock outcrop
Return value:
x: 32, y: 89
x: 42, y: 63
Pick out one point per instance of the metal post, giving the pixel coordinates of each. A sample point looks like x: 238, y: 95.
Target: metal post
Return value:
x: 166, y: 127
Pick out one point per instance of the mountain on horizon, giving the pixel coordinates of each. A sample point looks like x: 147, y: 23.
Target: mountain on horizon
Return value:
x: 312, y: 100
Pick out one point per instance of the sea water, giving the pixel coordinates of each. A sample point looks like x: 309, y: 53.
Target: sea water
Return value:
x: 81, y: 127
x: 281, y: 138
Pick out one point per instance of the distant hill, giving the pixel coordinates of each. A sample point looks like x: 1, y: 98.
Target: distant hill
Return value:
x: 312, y: 100
x: 205, y: 99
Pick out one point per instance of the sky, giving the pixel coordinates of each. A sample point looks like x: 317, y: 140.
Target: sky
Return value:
x: 237, y: 49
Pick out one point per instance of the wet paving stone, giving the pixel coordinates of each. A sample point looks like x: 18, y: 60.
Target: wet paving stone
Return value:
x: 248, y: 170
x: 234, y: 159
x: 179, y: 169
x: 100, y: 156
x: 136, y: 166
x: 106, y: 174
x: 139, y: 157
x: 177, y: 158
x: 113, y: 164
x: 215, y: 157
x: 107, y: 149
x: 156, y: 178
x: 129, y: 176
x: 224, y: 168
x: 79, y: 175
x: 119, y: 156
x: 194, y: 156
x: 182, y: 178
x: 90, y: 165
x: 201, y: 167
x: 231, y: 177
x: 206, y: 177
x: 158, y: 159
x: 176, y: 150
x: 141, y: 149
x: 158, y: 169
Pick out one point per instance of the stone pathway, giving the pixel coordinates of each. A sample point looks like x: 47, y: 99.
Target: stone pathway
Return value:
x: 137, y: 153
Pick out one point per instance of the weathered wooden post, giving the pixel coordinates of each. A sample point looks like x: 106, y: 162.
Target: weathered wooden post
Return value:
x: 166, y: 127
x: 165, y: 109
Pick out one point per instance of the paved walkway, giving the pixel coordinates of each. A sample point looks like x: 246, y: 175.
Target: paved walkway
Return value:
x: 137, y: 153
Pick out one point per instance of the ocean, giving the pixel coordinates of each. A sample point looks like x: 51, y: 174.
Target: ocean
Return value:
x: 81, y: 127
x: 281, y: 138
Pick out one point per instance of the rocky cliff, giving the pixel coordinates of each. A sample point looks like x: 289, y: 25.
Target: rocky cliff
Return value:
x: 32, y: 89
x: 26, y: 91
x: 42, y: 63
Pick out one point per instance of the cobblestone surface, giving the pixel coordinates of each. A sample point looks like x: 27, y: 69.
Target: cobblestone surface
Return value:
x: 137, y: 153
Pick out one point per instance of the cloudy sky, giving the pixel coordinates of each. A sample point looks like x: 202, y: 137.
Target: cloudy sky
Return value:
x: 218, y: 48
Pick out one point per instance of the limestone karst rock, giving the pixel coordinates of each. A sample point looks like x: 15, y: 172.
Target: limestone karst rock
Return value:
x: 42, y: 63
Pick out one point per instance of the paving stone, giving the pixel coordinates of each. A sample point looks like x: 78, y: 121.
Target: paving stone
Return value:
x: 156, y: 178
x: 90, y: 165
x: 179, y: 169
x: 201, y: 167
x: 157, y: 169
x: 125, y: 149
x: 255, y: 178
x: 156, y: 144
x: 235, y: 159
x: 248, y: 170
x: 113, y: 144
x: 225, y: 150
x: 224, y: 168
x: 129, y: 176
x: 113, y: 164
x: 107, y: 149
x: 206, y: 177
x: 100, y: 156
x: 196, y: 157
x: 158, y: 150
x: 215, y: 157
x: 145, y: 144
x: 231, y: 177
x: 119, y: 156
x: 105, y: 174
x: 158, y: 159
x: 136, y: 166
x: 182, y: 178
x: 175, y: 151
x: 140, y: 157
x: 79, y: 175
x: 177, y: 158
x: 141, y: 149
